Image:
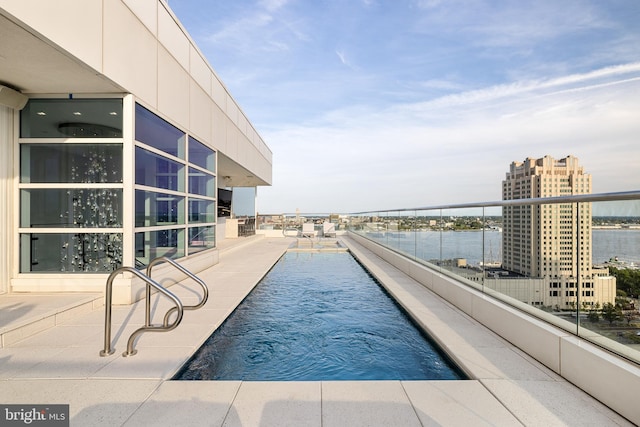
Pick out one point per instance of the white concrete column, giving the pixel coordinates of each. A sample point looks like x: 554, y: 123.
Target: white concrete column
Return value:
x: 6, y: 195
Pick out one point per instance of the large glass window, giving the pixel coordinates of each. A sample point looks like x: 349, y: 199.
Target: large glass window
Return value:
x: 71, y: 193
x: 72, y: 118
x: 70, y: 163
x: 157, y: 171
x: 157, y: 133
x: 201, y: 155
x: 166, y: 179
x: 158, y: 209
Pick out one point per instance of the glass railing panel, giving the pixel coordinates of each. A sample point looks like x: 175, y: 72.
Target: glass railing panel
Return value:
x: 608, y: 303
x: 461, y: 238
x: 573, y: 263
x: 427, y: 237
x: 410, y: 230
x: 395, y: 232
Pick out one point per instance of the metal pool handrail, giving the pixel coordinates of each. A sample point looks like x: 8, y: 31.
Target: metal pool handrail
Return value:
x: 108, y: 305
x: 205, y: 290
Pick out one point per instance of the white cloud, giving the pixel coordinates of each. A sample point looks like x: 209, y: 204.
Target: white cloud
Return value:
x: 273, y: 5
x: 342, y: 57
x: 394, y: 158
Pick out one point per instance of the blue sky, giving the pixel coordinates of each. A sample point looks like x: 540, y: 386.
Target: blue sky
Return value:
x: 382, y: 104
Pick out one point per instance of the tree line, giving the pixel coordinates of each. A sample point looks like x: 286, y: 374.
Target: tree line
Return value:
x: 627, y: 280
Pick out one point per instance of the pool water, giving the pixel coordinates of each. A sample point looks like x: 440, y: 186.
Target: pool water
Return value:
x: 318, y: 316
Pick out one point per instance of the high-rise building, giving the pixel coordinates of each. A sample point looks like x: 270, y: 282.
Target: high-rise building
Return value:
x: 552, y: 242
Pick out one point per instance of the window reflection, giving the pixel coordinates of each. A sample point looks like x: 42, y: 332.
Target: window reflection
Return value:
x: 153, y: 244
x: 158, y: 209
x: 201, y: 183
x: 201, y: 238
x: 201, y: 155
x: 154, y: 170
x: 201, y: 210
x: 158, y: 133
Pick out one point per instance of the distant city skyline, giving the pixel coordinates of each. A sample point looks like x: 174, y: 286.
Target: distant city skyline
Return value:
x: 379, y: 105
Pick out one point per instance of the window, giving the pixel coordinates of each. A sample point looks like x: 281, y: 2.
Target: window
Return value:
x: 71, y: 118
x: 157, y: 171
x: 201, y: 210
x: 71, y: 208
x: 201, y: 238
x: 153, y: 244
x: 201, y: 155
x: 201, y: 183
x: 153, y: 209
x: 70, y: 252
x: 157, y: 133
x: 71, y: 163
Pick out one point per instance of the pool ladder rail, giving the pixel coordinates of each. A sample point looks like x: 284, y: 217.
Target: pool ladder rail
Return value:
x: 148, y: 327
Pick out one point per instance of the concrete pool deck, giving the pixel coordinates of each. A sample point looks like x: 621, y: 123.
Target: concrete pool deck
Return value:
x: 60, y: 364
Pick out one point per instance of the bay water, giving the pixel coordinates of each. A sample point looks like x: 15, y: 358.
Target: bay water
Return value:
x: 623, y: 244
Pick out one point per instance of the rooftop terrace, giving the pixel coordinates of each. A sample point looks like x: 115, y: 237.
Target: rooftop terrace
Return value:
x: 51, y: 345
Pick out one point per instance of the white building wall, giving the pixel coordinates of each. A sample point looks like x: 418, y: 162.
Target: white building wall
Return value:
x: 6, y: 195
x: 201, y: 113
x: 76, y: 25
x: 173, y: 89
x: 130, y: 53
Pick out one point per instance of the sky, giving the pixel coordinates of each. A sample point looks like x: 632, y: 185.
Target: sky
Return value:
x: 385, y: 104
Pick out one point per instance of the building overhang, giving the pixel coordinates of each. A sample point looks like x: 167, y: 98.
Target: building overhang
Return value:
x: 232, y: 174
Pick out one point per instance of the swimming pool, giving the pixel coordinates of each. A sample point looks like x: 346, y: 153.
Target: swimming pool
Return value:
x: 318, y: 316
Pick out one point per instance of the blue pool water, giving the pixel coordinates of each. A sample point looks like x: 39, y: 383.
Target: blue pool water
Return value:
x: 318, y: 316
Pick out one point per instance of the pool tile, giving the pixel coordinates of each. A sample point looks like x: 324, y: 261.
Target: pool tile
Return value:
x: 187, y: 403
x: 457, y: 403
x: 277, y: 404
x: 91, y: 403
x: 552, y: 403
x: 366, y: 403
x: 70, y: 363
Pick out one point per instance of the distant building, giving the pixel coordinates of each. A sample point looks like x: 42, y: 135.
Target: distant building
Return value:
x: 547, y: 242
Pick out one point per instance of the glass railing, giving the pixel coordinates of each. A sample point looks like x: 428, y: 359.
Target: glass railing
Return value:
x: 573, y: 261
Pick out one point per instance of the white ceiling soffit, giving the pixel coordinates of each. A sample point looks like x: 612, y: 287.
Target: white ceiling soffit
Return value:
x: 231, y: 174
x: 28, y: 63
